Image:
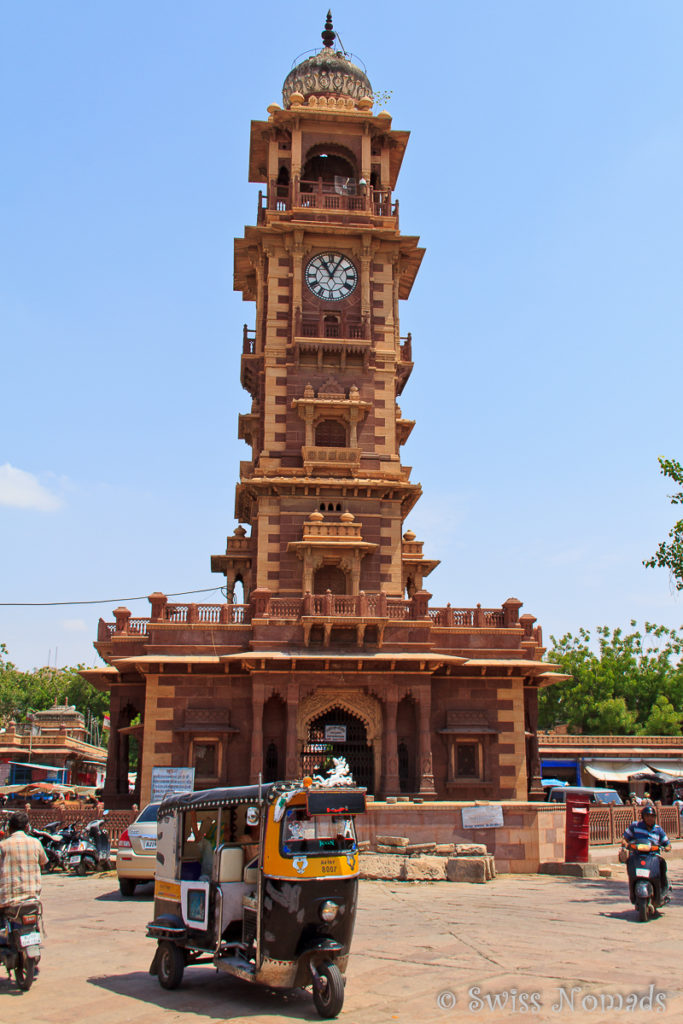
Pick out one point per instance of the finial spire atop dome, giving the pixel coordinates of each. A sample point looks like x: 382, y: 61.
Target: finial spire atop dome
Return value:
x: 328, y: 35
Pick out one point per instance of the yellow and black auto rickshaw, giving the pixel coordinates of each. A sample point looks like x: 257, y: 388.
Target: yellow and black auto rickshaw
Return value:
x: 261, y: 881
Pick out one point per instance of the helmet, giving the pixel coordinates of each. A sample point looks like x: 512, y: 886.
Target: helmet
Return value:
x: 252, y: 816
x: 647, y: 811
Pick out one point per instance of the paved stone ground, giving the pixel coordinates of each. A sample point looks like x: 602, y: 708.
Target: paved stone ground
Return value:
x: 418, y: 948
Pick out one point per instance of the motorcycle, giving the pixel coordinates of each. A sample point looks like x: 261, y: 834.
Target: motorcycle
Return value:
x: 645, y: 881
x: 91, y: 849
x: 20, y: 941
x: 56, y: 842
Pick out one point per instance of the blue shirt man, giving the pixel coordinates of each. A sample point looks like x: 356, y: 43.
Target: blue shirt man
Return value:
x: 646, y: 831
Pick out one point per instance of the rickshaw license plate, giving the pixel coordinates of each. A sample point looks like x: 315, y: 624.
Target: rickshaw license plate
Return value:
x: 643, y: 872
x: 74, y: 860
x: 32, y: 939
x: 149, y: 844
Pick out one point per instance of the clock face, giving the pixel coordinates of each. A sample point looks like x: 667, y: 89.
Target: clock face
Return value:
x: 331, y: 276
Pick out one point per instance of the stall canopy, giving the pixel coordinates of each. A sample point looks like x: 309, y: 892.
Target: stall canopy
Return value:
x: 620, y: 771
x: 667, y: 771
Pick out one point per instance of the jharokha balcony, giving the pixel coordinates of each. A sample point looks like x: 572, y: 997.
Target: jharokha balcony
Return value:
x: 364, y: 618
x: 327, y: 197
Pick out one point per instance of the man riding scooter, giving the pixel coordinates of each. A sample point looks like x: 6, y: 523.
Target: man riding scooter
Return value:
x: 648, y: 883
x: 21, y: 858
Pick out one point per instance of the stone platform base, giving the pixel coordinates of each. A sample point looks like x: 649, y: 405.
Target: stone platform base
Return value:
x: 531, y: 833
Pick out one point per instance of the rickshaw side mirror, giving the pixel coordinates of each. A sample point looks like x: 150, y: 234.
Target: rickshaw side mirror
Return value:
x: 231, y: 866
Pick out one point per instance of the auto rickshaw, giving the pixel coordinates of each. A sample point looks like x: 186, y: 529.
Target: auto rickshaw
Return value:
x: 261, y: 881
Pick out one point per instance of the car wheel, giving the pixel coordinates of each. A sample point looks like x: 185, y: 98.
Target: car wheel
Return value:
x: 127, y: 887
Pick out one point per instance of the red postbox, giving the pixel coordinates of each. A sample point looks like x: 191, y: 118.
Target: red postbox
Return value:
x: 576, y: 829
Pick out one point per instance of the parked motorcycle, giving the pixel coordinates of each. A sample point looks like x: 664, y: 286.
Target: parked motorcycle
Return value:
x: 20, y: 942
x: 56, y: 842
x: 645, y: 881
x: 90, y: 850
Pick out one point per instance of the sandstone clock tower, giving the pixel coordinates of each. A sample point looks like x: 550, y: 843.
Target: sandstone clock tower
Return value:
x: 327, y: 644
x: 325, y: 492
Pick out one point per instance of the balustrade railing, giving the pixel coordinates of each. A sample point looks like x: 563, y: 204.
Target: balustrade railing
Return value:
x: 323, y: 195
x: 363, y: 605
x: 608, y: 824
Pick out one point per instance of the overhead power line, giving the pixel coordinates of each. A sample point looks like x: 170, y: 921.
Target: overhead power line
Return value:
x: 110, y: 600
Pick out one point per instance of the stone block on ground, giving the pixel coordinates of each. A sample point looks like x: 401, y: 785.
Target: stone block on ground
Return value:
x: 381, y: 848
x: 393, y: 840
x: 574, y: 870
x: 466, y: 869
x: 605, y: 871
x: 363, y: 845
x: 379, y: 866
x: 424, y: 869
x: 470, y: 849
x: 413, y: 848
x: 445, y: 849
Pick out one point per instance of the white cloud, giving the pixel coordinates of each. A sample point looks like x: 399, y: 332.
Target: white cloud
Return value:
x: 74, y: 625
x: 19, y: 489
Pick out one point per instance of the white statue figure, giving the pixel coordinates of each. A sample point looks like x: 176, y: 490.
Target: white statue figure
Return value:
x: 338, y: 775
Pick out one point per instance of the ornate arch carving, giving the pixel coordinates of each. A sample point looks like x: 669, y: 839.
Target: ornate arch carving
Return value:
x: 356, y: 702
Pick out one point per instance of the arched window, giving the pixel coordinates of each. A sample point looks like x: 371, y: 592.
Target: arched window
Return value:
x: 330, y: 434
x: 329, y: 167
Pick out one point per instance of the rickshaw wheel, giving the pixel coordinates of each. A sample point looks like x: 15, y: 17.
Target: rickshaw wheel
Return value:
x: 171, y: 965
x: 329, y: 999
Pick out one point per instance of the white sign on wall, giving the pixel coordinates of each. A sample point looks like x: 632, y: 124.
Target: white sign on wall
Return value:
x: 335, y: 733
x: 490, y: 816
x: 167, y: 781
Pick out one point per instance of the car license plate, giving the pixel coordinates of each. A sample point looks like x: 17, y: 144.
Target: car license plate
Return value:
x: 74, y: 860
x: 149, y: 844
x: 643, y: 872
x: 31, y: 939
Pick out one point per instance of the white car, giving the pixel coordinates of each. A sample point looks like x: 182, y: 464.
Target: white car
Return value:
x: 136, y: 857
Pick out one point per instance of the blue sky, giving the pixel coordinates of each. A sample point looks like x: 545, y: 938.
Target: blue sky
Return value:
x: 544, y: 177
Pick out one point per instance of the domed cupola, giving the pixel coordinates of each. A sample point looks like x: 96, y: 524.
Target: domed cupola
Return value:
x: 329, y: 73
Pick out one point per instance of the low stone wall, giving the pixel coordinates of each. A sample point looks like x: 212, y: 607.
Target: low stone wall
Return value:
x: 531, y: 833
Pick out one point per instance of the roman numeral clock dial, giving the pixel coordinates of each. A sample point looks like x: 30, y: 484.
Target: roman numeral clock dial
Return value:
x: 331, y: 276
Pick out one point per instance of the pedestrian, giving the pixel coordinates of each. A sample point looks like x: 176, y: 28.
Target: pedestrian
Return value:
x: 21, y: 858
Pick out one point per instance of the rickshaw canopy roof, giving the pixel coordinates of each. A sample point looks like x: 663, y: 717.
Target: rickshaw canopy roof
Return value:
x: 203, y: 798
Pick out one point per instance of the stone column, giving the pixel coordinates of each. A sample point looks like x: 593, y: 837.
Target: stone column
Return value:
x: 533, y: 767
x: 392, y: 784
x: 426, y: 769
x: 292, y: 753
x: 112, y: 776
x: 257, y: 695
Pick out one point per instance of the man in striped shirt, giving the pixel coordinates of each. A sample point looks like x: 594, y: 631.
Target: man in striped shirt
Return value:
x: 21, y: 858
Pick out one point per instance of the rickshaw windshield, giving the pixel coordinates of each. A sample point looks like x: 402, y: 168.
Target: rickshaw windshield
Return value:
x: 322, y: 834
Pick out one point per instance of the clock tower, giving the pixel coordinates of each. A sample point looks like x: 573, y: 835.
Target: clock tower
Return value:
x: 324, y: 492
x: 327, y: 644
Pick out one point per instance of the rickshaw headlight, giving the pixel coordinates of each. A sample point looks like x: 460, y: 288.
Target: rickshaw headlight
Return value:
x: 329, y: 910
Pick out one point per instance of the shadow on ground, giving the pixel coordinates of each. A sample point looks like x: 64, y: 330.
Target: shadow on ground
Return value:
x: 209, y: 994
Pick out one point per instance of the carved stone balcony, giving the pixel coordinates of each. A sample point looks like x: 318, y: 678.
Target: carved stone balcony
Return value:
x: 331, y: 461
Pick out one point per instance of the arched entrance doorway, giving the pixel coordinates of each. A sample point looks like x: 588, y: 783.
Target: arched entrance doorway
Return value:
x: 338, y: 733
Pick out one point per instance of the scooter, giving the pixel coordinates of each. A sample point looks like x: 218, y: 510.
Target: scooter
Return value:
x: 91, y: 850
x: 20, y: 942
x: 645, y: 881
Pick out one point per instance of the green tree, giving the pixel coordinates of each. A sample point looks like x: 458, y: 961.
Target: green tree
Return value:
x: 24, y: 692
x: 663, y: 719
x: 669, y: 554
x: 616, y: 679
